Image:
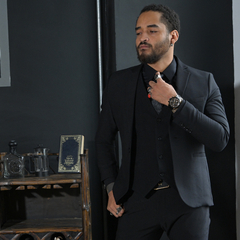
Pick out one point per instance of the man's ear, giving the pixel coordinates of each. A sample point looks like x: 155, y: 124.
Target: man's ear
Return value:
x: 174, y: 36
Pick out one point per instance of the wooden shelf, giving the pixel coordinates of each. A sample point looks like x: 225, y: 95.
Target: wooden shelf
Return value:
x: 42, y: 225
x: 53, y: 181
x: 42, y: 213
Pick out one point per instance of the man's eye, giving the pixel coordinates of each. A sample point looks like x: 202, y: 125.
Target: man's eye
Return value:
x: 153, y: 31
x: 138, y: 33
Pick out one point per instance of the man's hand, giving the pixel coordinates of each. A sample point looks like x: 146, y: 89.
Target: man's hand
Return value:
x: 113, y: 208
x: 161, y: 91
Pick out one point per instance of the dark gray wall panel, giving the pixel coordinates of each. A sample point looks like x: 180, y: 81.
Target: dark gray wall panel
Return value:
x: 54, y: 71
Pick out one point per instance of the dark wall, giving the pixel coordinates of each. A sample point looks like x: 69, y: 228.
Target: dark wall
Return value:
x: 206, y: 43
x: 54, y: 75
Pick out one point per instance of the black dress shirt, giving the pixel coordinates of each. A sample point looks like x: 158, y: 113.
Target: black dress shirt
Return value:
x: 169, y: 72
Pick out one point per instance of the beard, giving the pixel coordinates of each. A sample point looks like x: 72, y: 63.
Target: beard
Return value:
x: 158, y: 51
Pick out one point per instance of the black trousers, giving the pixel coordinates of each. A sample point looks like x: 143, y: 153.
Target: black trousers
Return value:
x: 147, y: 219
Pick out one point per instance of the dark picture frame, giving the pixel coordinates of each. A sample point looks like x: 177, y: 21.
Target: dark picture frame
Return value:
x: 5, y: 79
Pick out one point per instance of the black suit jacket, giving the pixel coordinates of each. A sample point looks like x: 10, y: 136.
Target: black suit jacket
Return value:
x: 200, y: 121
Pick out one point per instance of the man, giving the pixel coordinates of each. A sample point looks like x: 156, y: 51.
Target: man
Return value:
x: 166, y: 112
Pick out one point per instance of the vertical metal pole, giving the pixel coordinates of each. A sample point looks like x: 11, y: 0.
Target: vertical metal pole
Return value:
x: 100, y: 79
x: 100, y: 67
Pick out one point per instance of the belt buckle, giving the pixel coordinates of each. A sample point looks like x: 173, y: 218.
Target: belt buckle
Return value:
x: 161, y: 185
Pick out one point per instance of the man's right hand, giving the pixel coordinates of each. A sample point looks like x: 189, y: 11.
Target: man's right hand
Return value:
x: 112, y: 207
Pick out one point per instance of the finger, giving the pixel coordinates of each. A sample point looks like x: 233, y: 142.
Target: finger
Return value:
x: 121, y: 212
x: 160, y: 81
x: 149, y: 89
x: 157, y: 76
x: 117, y: 212
x: 112, y: 210
x: 119, y: 209
x: 152, y: 84
x: 114, y: 214
x: 149, y: 92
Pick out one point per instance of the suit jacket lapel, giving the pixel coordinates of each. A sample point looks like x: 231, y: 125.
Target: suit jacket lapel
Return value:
x: 182, y: 78
x: 130, y: 90
x: 130, y: 87
x: 132, y: 78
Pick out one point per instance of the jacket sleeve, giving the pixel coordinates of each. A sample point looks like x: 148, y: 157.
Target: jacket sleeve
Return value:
x: 209, y: 127
x: 105, y: 141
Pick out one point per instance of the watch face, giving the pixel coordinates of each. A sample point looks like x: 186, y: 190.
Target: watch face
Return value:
x: 174, y: 102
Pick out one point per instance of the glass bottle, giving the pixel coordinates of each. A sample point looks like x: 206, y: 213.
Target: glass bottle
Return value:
x: 41, y: 162
x: 13, y: 162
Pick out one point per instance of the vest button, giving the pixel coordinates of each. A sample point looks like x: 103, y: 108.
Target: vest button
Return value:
x: 159, y: 138
x: 159, y: 119
x: 160, y: 156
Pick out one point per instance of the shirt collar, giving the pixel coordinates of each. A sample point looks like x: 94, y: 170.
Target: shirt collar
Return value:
x: 169, y: 72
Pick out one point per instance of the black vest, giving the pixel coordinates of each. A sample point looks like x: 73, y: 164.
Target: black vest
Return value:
x: 152, y: 151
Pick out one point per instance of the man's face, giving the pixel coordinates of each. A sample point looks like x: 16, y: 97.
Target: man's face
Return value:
x: 153, y: 38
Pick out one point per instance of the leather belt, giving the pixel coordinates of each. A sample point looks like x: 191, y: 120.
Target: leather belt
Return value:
x: 161, y: 185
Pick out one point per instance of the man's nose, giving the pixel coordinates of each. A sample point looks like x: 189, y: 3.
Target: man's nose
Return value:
x: 144, y: 39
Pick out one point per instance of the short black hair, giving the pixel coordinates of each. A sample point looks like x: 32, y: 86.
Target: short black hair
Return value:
x: 169, y: 17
